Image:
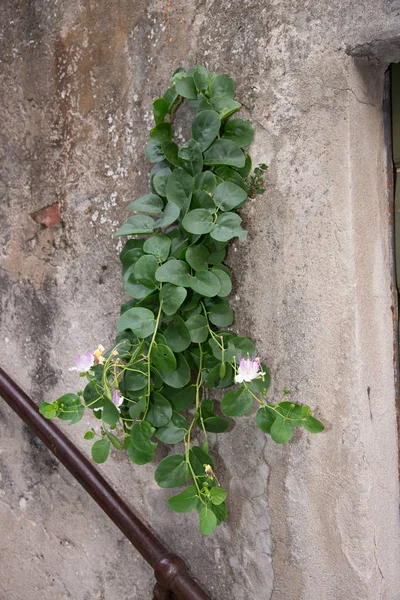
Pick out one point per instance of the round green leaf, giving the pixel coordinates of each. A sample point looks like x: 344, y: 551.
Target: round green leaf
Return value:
x: 205, y: 283
x: 180, y: 377
x: 216, y: 424
x: 239, y: 131
x: 174, y: 431
x: 186, y: 87
x: 150, y: 203
x: 197, y: 257
x: 161, y: 133
x: 224, y: 106
x: 184, y: 502
x: 218, y: 495
x: 264, y: 419
x: 140, y: 458
x: 172, y: 297
x: 203, y: 200
x: 229, y: 195
x: 280, y: 431
x: 208, y: 520
x: 160, y: 410
x: 154, y: 152
x: 140, y: 437
x: 191, y: 158
x: 240, y: 346
x: 134, y: 379
x: 224, y: 152
x: 160, y: 181
x: 100, y: 451
x: 174, y: 271
x: 205, y: 181
x: 171, y: 471
x: 228, y: 227
x: 135, y: 225
x: 221, y: 315
x: 198, y: 221
x: 313, y: 425
x: 144, y: 271
x: 179, y: 187
x: 177, y: 335
x: 136, y: 409
x: 170, y: 150
x: 139, y: 320
x: 163, y: 358
x: 169, y: 216
x: 222, y: 85
x: 198, y: 327
x: 159, y: 246
x: 205, y: 128
x: 49, y: 411
x: 160, y: 109
x: 181, y: 399
x: 110, y: 413
x: 236, y: 404
x: 224, y: 281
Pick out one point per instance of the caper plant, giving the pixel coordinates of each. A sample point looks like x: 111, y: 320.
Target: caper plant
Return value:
x: 174, y: 339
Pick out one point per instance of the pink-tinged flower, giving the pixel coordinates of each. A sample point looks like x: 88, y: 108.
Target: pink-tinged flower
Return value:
x: 116, y: 398
x: 248, y: 370
x: 84, y: 362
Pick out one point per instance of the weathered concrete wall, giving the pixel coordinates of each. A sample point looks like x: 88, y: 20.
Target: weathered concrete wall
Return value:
x: 312, y: 287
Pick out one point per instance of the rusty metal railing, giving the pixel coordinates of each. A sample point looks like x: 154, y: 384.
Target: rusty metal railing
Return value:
x: 173, y: 580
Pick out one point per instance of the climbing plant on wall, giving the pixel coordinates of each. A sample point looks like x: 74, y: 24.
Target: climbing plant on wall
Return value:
x: 175, y: 341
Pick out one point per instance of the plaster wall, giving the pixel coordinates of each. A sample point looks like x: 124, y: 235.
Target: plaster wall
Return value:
x: 313, y: 288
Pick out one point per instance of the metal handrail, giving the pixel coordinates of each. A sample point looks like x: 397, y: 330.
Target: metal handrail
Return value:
x: 172, y: 576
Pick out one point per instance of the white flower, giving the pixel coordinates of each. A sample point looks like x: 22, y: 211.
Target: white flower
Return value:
x: 84, y: 362
x: 248, y: 370
x: 116, y: 398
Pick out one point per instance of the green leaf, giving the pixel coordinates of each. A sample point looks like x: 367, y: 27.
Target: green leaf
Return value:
x: 214, y: 379
x: 208, y: 520
x: 197, y: 257
x: 205, y: 128
x: 180, y: 377
x: 239, y: 131
x: 177, y: 335
x: 313, y: 425
x: 170, y: 150
x: 174, y: 431
x: 221, y: 315
x: 203, y: 103
x: 205, y: 181
x: 198, y: 327
x: 145, y: 269
x: 160, y: 410
x: 100, y: 451
x: 247, y: 167
x: 163, y: 358
x: 265, y: 418
x: 135, y: 380
x: 49, y: 411
x: 224, y: 152
x: 200, y: 79
x: 171, y: 471
x: 229, y: 195
x: 184, y: 502
x: 236, y: 404
x: 198, y: 459
x: 113, y: 439
x: 140, y: 437
x: 216, y: 424
x: 262, y: 384
x: 218, y: 495
x: 181, y: 399
x: 202, y: 199
x: 140, y: 458
x: 89, y: 435
x: 70, y: 408
x: 172, y: 297
x: 222, y: 85
x: 224, y: 281
x: 228, y: 227
x: 154, y: 152
x: 171, y: 96
x: 205, y: 283
x: 159, y: 246
x: 136, y: 409
x: 135, y: 225
x: 161, y: 133
x: 159, y: 182
x: 231, y: 175
x: 220, y: 512
x: 160, y: 109
x: 179, y: 187
x: 169, y: 216
x: 280, y: 431
x: 174, y: 271
x: 224, y: 106
x: 186, y: 87
x: 136, y: 290
x: 240, y: 346
x: 198, y: 221
x: 110, y: 413
x: 191, y: 158
x: 139, y: 320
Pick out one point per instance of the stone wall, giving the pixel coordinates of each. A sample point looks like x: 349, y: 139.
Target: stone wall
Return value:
x: 312, y: 287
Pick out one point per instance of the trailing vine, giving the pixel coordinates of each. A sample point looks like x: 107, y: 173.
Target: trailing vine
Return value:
x: 173, y: 337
